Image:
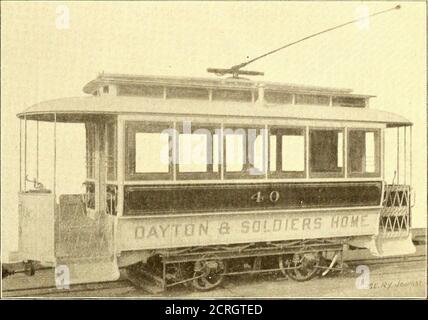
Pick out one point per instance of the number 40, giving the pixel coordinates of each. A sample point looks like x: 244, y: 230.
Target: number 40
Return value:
x: 258, y: 197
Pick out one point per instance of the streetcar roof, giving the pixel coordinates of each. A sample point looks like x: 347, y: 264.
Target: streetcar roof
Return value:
x: 211, y: 83
x: 79, y: 109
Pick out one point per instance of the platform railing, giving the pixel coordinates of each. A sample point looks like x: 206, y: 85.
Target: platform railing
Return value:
x: 395, y: 214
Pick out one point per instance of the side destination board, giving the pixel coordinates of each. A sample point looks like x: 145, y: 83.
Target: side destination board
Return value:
x: 178, y: 199
x: 173, y: 231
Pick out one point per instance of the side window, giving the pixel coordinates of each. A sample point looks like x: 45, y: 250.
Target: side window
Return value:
x: 244, y: 153
x: 287, y: 152
x: 149, y: 151
x: 326, y: 152
x: 363, y: 153
x: 256, y: 154
x: 198, y: 152
x: 235, y: 150
x: 193, y: 152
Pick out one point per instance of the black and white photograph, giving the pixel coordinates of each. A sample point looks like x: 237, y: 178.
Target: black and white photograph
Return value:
x: 213, y: 150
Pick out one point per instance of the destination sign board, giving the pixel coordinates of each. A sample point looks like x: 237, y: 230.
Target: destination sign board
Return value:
x: 193, y: 230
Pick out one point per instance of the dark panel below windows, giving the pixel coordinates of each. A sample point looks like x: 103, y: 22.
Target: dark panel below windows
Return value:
x: 142, y: 200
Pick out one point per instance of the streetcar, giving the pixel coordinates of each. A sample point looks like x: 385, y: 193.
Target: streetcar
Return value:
x: 191, y: 180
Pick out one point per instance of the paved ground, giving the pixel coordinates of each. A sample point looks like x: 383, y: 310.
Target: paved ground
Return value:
x: 399, y: 280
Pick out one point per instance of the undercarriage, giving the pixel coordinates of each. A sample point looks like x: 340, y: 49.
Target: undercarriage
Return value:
x: 205, y: 268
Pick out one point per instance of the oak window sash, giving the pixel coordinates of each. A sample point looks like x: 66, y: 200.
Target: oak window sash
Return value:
x: 352, y: 147
x: 132, y: 129
x: 279, y: 133
x: 337, y: 153
x: 248, y: 170
x: 213, y: 170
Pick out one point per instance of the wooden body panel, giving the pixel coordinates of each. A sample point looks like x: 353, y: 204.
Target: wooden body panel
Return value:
x: 174, y: 231
x: 37, y: 226
x: 186, y: 199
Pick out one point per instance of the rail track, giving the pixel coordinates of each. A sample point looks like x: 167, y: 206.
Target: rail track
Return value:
x: 122, y: 286
x: 388, y: 260
x: 86, y: 289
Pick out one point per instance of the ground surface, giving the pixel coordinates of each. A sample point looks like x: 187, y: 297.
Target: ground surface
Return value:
x: 404, y: 279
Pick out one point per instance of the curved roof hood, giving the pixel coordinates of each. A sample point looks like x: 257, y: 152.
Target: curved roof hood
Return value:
x: 68, y: 108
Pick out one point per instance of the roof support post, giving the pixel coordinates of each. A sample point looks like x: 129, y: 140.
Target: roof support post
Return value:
x: 266, y: 151
x: 120, y: 164
x: 25, y: 153
x: 382, y: 156
x: 345, y: 152
x: 411, y: 152
x: 100, y: 168
x: 37, y: 152
x: 307, y: 151
x: 54, y: 162
x: 222, y: 152
x: 405, y: 154
x: 398, y: 155
x: 174, y: 155
x: 20, y: 155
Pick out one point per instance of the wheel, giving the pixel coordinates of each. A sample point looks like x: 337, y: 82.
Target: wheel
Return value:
x: 29, y: 268
x: 6, y: 272
x: 209, y: 273
x: 300, y: 266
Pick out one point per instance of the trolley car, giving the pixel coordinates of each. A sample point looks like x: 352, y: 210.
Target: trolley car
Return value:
x: 192, y: 179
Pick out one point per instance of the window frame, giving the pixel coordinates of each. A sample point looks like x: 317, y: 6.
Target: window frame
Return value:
x: 279, y: 173
x: 378, y: 156
x: 244, y: 173
x: 209, y: 174
x: 340, y: 174
x: 131, y: 129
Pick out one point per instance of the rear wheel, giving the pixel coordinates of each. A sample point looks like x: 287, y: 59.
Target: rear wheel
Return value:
x: 300, y: 266
x: 208, y: 273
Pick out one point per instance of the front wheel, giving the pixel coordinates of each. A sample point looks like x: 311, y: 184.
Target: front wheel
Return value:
x: 29, y: 268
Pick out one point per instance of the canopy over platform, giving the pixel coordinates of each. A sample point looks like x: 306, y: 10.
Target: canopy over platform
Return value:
x: 82, y: 109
